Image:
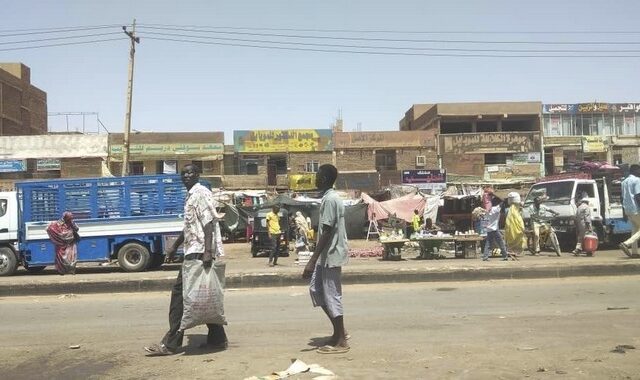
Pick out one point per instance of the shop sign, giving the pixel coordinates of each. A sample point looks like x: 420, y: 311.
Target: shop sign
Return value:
x: 434, y: 179
x: 625, y: 107
x: 593, y: 144
x: 559, y: 108
x: 496, y: 142
x: 301, y: 182
x: 526, y: 158
x: 12, y: 166
x: 201, y: 149
x: 48, y: 164
x: 591, y: 107
x: 282, y: 141
x: 562, y: 140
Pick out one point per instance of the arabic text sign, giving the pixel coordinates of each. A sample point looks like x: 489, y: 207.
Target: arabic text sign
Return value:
x: 48, y: 164
x: 299, y: 182
x: 12, y: 166
x: 593, y: 144
x: 169, y: 149
x: 591, y: 107
x: 425, y: 179
x: 526, y: 158
x: 272, y: 141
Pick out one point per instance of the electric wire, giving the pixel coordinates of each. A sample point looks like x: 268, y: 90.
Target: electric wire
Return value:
x: 389, y: 47
x: 60, y: 38
x: 24, y: 32
x: 403, y: 31
x: 391, y: 53
x: 61, y: 44
x: 341, y: 38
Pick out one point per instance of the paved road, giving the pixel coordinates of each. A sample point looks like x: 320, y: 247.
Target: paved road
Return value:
x: 472, y: 330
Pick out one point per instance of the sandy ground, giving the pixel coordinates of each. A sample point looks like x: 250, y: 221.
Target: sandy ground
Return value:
x: 537, y: 329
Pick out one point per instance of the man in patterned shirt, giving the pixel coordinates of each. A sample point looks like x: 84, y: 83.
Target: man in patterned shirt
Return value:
x: 200, y: 222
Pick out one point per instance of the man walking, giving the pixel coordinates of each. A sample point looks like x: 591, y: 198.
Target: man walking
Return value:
x: 273, y: 228
x: 631, y: 206
x: 331, y: 253
x: 493, y: 231
x: 200, y: 222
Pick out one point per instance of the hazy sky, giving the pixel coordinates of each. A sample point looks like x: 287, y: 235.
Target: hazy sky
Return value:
x: 197, y: 87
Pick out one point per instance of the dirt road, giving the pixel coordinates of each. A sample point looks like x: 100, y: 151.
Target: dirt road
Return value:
x: 536, y: 329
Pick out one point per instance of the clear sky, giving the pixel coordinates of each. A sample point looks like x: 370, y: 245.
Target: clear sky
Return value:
x: 198, y: 87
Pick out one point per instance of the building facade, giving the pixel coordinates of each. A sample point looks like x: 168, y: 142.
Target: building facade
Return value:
x: 23, y: 107
x: 166, y: 153
x: 51, y: 156
x: 499, y: 141
x: 385, y: 153
x: 590, y: 132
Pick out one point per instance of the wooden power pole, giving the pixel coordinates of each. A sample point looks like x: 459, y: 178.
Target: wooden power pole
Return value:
x: 127, y: 121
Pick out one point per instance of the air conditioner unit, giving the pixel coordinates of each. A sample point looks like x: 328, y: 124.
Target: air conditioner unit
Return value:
x: 421, y: 160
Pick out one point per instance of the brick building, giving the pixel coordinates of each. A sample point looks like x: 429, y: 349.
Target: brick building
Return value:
x: 386, y: 153
x: 489, y: 141
x: 269, y: 157
x: 23, y: 107
x: 166, y: 153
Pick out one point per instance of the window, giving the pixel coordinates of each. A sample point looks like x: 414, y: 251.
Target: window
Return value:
x: 486, y: 126
x: 167, y: 167
x: 136, y: 168
x: 519, y: 125
x: 311, y: 166
x: 584, y: 188
x: 252, y: 168
x: 3, y: 207
x: 497, y: 158
x: 386, y: 160
x: 455, y: 127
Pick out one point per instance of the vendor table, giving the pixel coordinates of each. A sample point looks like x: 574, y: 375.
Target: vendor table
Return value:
x: 465, y: 245
x: 393, y: 249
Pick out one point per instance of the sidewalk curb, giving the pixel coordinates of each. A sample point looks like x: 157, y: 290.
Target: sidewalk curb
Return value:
x: 253, y: 280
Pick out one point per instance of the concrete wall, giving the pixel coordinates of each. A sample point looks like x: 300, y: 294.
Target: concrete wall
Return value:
x: 80, y: 167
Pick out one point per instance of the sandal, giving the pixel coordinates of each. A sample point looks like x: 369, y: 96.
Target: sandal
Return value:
x: 158, y: 350
x: 332, y: 350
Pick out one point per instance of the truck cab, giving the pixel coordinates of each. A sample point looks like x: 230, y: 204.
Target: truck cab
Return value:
x: 605, y: 201
x: 562, y: 195
x: 8, y: 231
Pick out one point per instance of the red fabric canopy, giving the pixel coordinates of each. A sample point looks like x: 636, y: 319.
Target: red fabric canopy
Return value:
x: 402, y: 207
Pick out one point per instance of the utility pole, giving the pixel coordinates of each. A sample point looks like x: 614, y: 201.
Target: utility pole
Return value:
x: 127, y: 121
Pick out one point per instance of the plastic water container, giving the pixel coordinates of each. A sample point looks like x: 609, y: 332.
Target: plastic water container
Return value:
x: 590, y: 242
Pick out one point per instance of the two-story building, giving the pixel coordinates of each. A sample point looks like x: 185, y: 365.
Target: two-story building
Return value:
x: 590, y: 132
x: 499, y: 141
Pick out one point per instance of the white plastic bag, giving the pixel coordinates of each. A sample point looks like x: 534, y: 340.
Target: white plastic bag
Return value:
x: 203, y: 300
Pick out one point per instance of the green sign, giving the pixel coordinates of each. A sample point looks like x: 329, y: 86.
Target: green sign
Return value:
x: 169, y: 149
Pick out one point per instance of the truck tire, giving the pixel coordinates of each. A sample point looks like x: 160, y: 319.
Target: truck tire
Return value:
x: 133, y: 257
x: 8, y: 261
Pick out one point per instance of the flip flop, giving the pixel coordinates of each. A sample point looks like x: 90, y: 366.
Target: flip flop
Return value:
x: 332, y: 350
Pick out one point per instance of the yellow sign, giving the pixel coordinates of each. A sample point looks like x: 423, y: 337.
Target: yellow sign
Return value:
x: 300, y: 182
x: 593, y: 144
x: 169, y: 149
x: 282, y: 141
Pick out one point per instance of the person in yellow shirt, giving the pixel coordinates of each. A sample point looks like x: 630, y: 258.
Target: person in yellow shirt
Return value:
x: 416, y: 223
x: 273, y: 228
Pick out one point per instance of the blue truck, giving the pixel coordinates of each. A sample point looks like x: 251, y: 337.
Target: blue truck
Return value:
x: 128, y: 219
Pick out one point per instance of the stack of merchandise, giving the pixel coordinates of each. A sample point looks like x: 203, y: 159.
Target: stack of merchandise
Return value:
x: 303, y: 257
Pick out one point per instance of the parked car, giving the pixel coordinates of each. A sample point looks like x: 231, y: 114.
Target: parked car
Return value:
x: 260, y: 242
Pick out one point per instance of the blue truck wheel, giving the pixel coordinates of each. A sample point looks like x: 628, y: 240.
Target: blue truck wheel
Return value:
x: 133, y: 257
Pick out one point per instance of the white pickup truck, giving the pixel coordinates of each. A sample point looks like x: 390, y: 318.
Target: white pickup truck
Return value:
x: 605, y: 200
